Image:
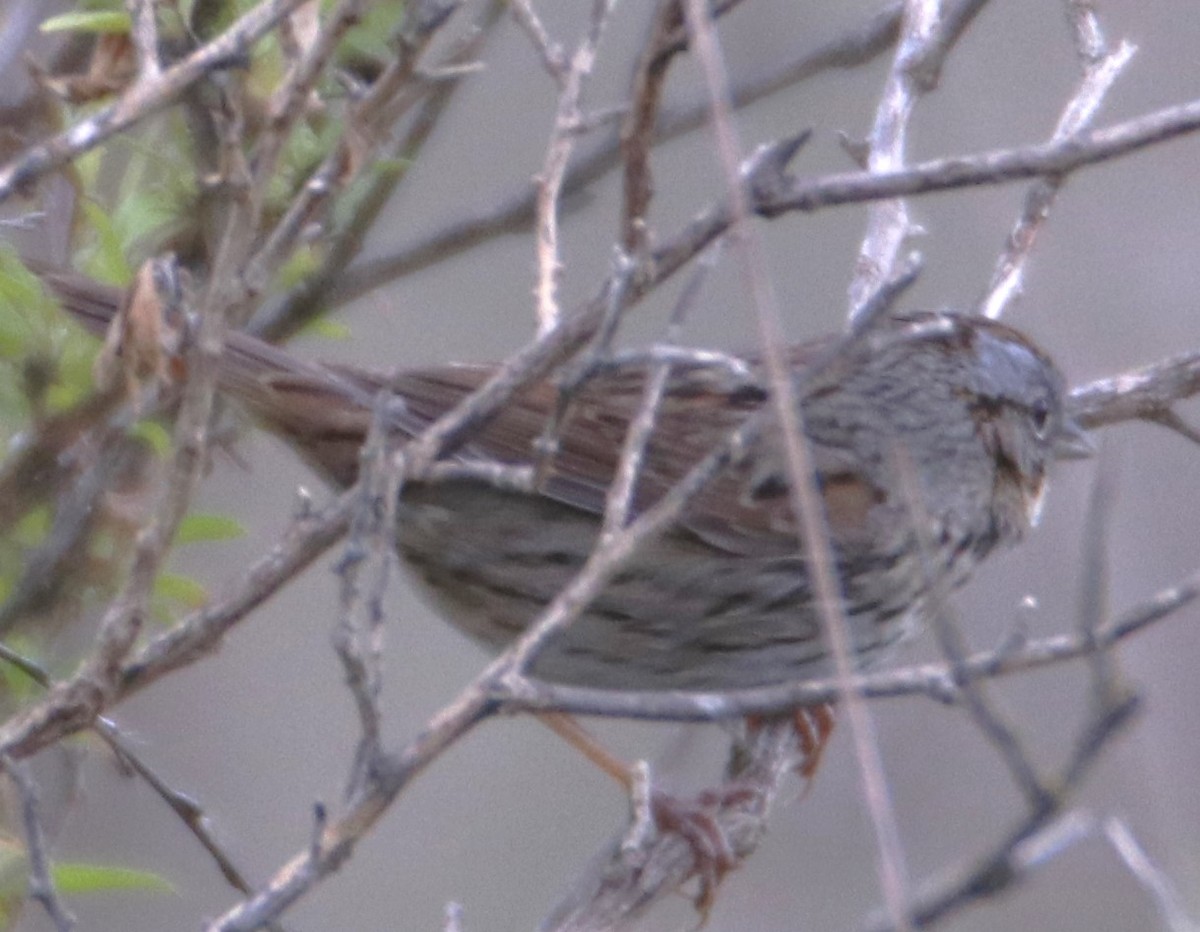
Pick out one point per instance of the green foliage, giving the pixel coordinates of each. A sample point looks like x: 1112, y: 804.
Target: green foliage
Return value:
x: 202, y: 527
x: 16, y: 686
x: 327, y: 329
x: 71, y: 878
x: 153, y: 433
x: 45, y: 369
x: 97, y: 22
x: 102, y: 878
x: 302, y: 263
x: 24, y: 307
x: 155, y: 198
x: 364, y: 189
x: 372, y: 37
x: 302, y: 153
x: 174, y: 589
x: 106, y: 260
x: 45, y: 362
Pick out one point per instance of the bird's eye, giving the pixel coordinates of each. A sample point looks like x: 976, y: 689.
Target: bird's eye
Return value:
x: 1040, y: 416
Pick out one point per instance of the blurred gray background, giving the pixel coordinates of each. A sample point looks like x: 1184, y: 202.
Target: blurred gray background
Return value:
x: 506, y: 820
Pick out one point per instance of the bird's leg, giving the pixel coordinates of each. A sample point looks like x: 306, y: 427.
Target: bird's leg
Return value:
x: 696, y: 820
x: 569, y: 729
x: 813, y: 724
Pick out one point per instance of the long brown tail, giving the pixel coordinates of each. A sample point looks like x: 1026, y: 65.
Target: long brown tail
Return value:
x: 91, y: 303
x: 323, y: 413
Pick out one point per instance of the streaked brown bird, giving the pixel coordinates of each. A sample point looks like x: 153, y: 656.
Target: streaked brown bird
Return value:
x: 722, y: 600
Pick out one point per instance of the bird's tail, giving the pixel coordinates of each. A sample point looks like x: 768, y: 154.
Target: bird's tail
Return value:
x: 308, y: 404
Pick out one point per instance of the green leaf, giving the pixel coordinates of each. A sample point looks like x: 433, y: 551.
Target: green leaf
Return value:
x: 181, y: 589
x: 372, y: 36
x: 97, y: 878
x: 14, y: 335
x: 201, y: 528
x: 326, y: 329
x: 391, y: 166
x: 16, y: 686
x: 23, y: 308
x: 76, y: 351
x: 18, y: 285
x: 302, y: 263
x: 154, y: 434
x: 33, y: 527
x: 94, y: 21
x: 108, y: 262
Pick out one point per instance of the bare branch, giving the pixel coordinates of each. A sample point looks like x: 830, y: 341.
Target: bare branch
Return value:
x: 371, y: 118
x: 1151, y: 877
x: 310, y: 298
x: 1148, y: 394
x: 368, y: 550
x: 945, y: 624
x: 634, y: 871
x: 771, y: 193
x: 637, y: 130
x: 805, y: 496
x: 41, y: 885
x: 290, y: 100
x: 1101, y: 68
x: 935, y: 681
x: 571, y: 75
x: 145, y: 37
x: 1029, y: 844
x: 888, y: 225
x: 143, y: 98
x: 516, y: 213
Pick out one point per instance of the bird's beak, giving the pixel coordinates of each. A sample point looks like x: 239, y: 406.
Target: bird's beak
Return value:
x: 1073, y: 442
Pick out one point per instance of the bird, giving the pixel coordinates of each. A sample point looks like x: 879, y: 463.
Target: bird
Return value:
x: 973, y: 409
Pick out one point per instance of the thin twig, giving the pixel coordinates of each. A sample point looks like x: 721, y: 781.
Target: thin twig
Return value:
x: 637, y: 129
x: 1027, y: 845
x: 189, y: 811
x: 185, y: 807
x: 516, y: 213
x: 145, y: 38
x: 368, y: 550
x: 143, y: 99
x: 571, y: 74
x: 945, y: 624
x: 290, y: 100
x: 1101, y: 68
x: 997, y: 166
x: 1146, y: 394
x: 934, y: 680
x: 553, y: 58
x: 371, y: 118
x: 311, y: 297
x: 1151, y: 877
x: 772, y: 193
x: 888, y: 225
x: 805, y: 496
x: 41, y: 883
